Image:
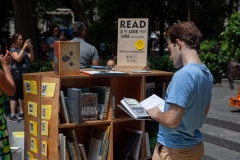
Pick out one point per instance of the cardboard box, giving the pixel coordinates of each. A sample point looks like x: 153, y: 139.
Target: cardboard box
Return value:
x: 66, y: 58
x: 18, y: 141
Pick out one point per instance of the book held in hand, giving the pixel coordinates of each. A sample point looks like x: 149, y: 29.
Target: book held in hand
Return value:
x: 137, y: 109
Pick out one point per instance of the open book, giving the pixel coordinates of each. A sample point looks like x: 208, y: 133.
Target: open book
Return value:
x: 138, y: 109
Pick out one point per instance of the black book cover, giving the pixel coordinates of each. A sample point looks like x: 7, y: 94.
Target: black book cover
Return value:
x: 125, y: 144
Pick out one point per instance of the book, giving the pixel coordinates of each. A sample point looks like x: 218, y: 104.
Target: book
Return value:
x: 147, y: 145
x: 161, y: 89
x: 63, y: 109
x: 125, y: 144
x: 74, y: 97
x: 103, y: 100
x: 149, y: 89
x: 106, y: 150
x: 100, y: 132
x: 138, y: 109
x: 82, y: 150
x: 134, y: 154
x: 62, y: 150
x: 94, y: 148
x: 70, y: 150
x: 105, y: 73
x: 89, y: 106
x: 66, y: 58
x: 72, y: 138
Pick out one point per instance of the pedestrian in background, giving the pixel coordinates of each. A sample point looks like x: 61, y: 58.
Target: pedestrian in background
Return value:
x: 8, y: 87
x: 111, y: 63
x: 88, y: 53
x: 20, y: 65
x: 187, y: 99
x: 55, y: 35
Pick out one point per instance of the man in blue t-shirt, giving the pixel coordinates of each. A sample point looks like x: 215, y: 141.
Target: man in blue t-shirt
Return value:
x: 187, y: 98
x: 88, y: 53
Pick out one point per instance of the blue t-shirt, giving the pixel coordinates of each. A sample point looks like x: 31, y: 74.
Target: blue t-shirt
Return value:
x: 50, y: 40
x: 190, y: 88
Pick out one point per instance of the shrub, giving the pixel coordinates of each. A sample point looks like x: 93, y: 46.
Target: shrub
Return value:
x: 41, y: 66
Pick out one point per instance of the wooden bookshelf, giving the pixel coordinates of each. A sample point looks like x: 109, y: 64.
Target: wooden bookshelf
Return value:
x: 132, y: 85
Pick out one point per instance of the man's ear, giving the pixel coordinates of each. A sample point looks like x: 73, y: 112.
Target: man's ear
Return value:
x: 179, y: 43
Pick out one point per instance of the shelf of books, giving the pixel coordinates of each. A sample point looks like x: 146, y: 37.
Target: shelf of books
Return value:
x: 78, y: 118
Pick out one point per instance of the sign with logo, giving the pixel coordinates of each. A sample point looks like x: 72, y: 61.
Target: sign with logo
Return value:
x: 132, y: 41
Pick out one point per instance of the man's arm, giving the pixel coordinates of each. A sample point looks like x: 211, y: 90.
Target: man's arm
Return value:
x: 95, y: 63
x: 171, y: 118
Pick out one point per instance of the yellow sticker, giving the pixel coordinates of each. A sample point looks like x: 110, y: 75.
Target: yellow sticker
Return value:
x: 33, y: 128
x: 30, y: 87
x: 44, y: 128
x: 32, y: 108
x: 139, y: 44
x: 34, y: 145
x: 29, y: 156
x: 46, y: 111
x: 48, y: 89
x: 44, y: 148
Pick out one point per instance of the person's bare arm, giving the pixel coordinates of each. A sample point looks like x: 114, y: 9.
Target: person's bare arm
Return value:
x: 31, y: 54
x: 171, y: 118
x: 7, y: 84
x: 207, y: 109
x: 95, y: 63
x: 18, y: 57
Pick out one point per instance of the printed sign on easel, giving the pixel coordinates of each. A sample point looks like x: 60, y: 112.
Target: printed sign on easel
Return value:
x: 132, y: 41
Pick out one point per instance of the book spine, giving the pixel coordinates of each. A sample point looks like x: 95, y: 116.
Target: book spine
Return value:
x: 64, y: 107
x: 74, y: 104
x: 83, y: 152
x: 113, y: 107
x: 106, y: 103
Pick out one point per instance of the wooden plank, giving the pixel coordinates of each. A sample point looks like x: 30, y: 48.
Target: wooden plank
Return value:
x: 33, y: 98
x: 52, y: 138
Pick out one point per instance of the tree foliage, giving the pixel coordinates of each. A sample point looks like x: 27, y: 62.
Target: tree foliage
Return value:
x: 231, y: 38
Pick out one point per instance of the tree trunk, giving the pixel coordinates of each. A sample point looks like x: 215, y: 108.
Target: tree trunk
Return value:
x: 24, y: 23
x: 79, y: 11
x: 192, y: 11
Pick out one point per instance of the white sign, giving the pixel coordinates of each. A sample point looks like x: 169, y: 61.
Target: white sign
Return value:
x: 132, y: 41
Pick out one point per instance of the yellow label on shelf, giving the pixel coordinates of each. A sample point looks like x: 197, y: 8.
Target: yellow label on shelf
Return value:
x: 44, y: 148
x: 30, y: 87
x: 33, y: 128
x: 139, y: 44
x: 34, y: 145
x: 48, y: 89
x: 46, y: 112
x: 29, y: 156
x: 45, y: 128
x: 32, y: 108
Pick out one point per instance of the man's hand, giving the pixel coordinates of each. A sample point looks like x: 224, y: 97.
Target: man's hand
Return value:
x: 154, y: 112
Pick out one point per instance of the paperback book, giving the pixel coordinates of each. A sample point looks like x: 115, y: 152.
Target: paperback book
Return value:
x: 137, y: 110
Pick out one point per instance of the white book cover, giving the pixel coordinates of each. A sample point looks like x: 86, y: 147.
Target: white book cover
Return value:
x: 138, y: 110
